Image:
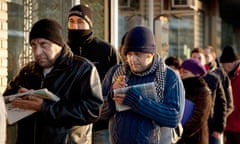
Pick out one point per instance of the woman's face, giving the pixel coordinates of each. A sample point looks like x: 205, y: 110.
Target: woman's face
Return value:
x: 184, y: 73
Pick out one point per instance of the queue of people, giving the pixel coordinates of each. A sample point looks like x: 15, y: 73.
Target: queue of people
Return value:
x: 221, y: 79
x: 139, y: 100
x: 217, y: 117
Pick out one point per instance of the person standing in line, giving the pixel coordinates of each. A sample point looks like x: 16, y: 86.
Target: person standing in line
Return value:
x: 73, y: 79
x: 231, y: 64
x: 82, y: 42
x: 217, y: 118
x: 214, y: 67
x: 173, y: 62
x: 149, y: 117
x: 121, y: 49
x: 195, y: 127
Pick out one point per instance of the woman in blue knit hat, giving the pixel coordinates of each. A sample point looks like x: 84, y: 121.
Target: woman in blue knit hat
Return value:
x: 198, y: 103
x: 144, y: 98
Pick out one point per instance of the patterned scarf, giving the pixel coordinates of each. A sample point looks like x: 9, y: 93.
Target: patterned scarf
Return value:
x: 159, y: 80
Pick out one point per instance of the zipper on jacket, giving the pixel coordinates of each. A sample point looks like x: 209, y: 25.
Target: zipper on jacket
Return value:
x: 80, y: 50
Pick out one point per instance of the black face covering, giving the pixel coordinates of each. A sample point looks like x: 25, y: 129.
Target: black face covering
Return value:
x: 77, y: 38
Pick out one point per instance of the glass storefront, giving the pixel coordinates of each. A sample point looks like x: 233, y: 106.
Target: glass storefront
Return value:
x: 181, y: 36
x: 132, y: 13
x: 174, y: 37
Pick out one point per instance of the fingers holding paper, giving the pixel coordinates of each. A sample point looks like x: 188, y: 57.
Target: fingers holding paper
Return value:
x: 118, y: 98
x: 22, y: 89
x: 30, y: 102
x: 120, y: 82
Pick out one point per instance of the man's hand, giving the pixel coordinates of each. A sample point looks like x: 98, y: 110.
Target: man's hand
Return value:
x: 119, y: 83
x: 30, y: 102
x: 216, y: 134
x: 118, y: 98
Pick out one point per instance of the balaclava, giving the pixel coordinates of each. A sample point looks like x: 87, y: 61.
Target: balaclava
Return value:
x: 77, y: 38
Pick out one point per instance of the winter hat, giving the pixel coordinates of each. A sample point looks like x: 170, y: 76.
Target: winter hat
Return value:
x: 48, y: 29
x: 194, y: 66
x: 83, y: 12
x: 228, y: 55
x: 139, y: 39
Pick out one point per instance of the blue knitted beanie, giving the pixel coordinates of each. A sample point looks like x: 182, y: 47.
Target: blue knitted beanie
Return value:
x: 139, y: 39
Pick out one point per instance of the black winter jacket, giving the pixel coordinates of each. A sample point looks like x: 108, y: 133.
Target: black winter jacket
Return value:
x: 76, y: 81
x: 215, y: 68
x: 217, y: 118
x: 99, y: 52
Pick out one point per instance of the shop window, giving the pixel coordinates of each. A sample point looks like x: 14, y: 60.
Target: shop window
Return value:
x: 131, y: 13
x: 129, y: 4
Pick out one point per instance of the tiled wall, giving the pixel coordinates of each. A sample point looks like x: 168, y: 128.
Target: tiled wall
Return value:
x: 3, y: 45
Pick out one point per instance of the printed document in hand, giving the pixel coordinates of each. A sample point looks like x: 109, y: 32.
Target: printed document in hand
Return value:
x: 146, y: 89
x: 15, y: 114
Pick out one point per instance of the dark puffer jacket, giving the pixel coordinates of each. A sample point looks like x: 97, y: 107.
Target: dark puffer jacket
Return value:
x: 76, y: 81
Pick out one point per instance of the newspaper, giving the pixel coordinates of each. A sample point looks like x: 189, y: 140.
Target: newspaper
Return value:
x: 146, y: 89
x: 15, y: 114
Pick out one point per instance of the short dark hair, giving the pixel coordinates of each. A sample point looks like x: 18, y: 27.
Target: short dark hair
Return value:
x: 197, y: 50
x: 173, y: 61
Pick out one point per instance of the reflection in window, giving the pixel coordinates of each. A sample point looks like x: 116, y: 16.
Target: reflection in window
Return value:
x: 181, y: 36
x: 131, y: 13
